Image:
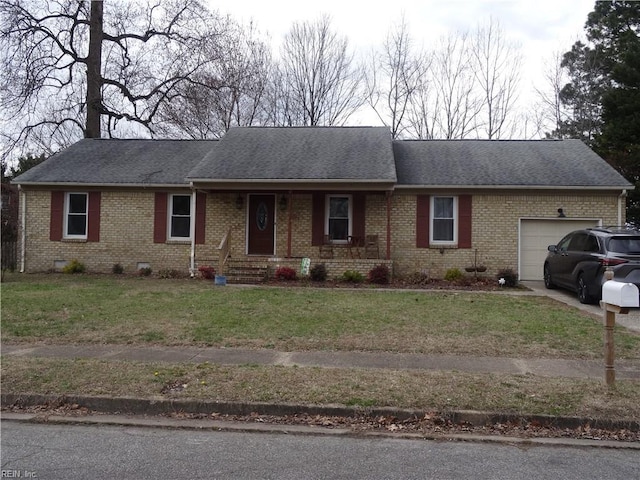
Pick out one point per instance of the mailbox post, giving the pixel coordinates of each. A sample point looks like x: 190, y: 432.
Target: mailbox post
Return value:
x: 617, y: 297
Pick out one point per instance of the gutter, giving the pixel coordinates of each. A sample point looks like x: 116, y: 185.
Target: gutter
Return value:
x: 100, y: 185
x: 507, y: 187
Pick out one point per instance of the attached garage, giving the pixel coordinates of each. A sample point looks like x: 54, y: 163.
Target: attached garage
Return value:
x: 537, y: 234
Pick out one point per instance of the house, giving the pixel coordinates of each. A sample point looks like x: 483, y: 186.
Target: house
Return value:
x: 349, y: 197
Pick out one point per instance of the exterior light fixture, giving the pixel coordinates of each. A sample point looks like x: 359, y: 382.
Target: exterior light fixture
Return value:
x: 561, y: 213
x: 283, y: 203
x: 239, y: 202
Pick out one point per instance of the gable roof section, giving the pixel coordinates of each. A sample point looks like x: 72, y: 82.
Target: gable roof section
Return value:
x: 502, y: 163
x: 333, y: 157
x: 300, y: 154
x: 139, y: 162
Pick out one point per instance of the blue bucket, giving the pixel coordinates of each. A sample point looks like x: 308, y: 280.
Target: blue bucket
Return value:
x: 220, y: 280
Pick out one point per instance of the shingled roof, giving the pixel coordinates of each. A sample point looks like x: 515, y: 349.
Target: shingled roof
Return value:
x: 300, y: 154
x: 95, y: 161
x: 338, y: 156
x: 513, y: 163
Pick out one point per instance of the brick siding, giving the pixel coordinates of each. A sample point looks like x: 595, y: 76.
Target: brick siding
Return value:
x: 127, y: 218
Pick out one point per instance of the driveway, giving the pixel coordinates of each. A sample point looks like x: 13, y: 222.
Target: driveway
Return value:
x: 630, y: 321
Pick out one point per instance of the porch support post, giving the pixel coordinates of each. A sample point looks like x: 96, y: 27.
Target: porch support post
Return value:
x: 388, y: 195
x: 289, y: 224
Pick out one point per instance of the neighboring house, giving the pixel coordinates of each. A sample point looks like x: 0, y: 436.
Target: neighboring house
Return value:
x: 277, y: 195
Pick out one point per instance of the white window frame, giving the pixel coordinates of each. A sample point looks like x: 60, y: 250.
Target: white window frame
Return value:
x: 67, y: 213
x: 432, y: 220
x: 171, y: 215
x: 350, y: 215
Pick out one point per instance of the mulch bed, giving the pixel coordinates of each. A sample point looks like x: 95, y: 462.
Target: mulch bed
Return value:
x: 465, y: 284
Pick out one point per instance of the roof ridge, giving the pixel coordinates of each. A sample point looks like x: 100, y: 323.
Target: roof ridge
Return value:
x: 190, y: 140
x: 487, y: 140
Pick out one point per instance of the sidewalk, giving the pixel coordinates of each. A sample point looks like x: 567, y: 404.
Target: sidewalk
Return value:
x: 625, y: 369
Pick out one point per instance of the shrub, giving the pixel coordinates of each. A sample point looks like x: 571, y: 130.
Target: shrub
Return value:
x: 453, y: 274
x: 418, y: 278
x: 208, y: 273
x: 318, y: 272
x: 510, y: 277
x: 352, y: 276
x: 117, y: 269
x: 74, y: 266
x: 379, y: 274
x: 285, y: 274
x: 169, y: 273
x: 144, y: 271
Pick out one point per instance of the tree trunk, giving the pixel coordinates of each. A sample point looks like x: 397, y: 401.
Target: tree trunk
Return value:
x: 94, y: 77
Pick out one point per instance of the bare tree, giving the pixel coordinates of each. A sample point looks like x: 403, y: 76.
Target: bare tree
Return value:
x: 77, y: 68
x: 549, y: 113
x: 320, y: 72
x: 230, y: 92
x: 282, y: 107
x: 456, y: 104
x: 496, y: 66
x: 395, y: 78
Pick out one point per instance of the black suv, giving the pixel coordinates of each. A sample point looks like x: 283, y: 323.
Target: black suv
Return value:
x: 579, y: 260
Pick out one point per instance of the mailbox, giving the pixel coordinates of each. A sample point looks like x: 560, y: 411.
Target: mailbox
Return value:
x: 620, y: 294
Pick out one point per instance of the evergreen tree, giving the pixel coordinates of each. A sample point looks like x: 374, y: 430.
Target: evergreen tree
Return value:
x: 604, y: 92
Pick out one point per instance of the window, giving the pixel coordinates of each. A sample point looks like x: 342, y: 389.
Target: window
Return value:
x: 180, y: 217
x: 443, y: 220
x: 338, y: 226
x: 75, y: 217
x: 578, y: 242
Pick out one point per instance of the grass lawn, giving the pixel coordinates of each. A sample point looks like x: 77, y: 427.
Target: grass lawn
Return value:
x: 127, y: 310
x: 64, y: 309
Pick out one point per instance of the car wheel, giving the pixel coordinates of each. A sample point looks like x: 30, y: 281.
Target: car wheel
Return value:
x: 548, y: 283
x: 583, y: 291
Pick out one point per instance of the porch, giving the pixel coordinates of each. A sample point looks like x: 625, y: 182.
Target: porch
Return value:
x: 256, y: 270
x: 355, y: 255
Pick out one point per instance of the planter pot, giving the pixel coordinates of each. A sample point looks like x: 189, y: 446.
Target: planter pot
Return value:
x: 470, y: 269
x: 481, y: 269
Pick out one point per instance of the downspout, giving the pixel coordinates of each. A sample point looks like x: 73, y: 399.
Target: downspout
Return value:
x: 289, y: 224
x: 192, y: 233
x: 388, y: 256
x: 621, y: 198
x: 23, y: 229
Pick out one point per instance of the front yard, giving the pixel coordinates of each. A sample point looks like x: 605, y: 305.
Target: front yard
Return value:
x: 88, y: 309
x: 131, y: 310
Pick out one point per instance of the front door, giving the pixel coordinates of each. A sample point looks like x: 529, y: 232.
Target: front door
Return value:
x: 261, y: 225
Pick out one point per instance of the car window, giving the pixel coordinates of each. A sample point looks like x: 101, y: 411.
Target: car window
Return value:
x: 591, y: 244
x: 563, y: 245
x: 624, y: 245
x: 578, y: 242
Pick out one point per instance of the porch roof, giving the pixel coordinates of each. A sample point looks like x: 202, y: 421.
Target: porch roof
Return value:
x: 300, y: 155
x: 502, y: 163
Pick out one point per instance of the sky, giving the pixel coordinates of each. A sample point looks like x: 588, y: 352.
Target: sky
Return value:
x: 540, y: 27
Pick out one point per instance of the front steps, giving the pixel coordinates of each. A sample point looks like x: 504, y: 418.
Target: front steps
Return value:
x: 246, y: 271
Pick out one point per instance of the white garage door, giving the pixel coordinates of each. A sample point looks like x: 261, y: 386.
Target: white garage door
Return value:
x: 536, y: 235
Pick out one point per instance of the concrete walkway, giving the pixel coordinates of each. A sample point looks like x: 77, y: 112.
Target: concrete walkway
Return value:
x: 625, y: 369
x: 630, y: 321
